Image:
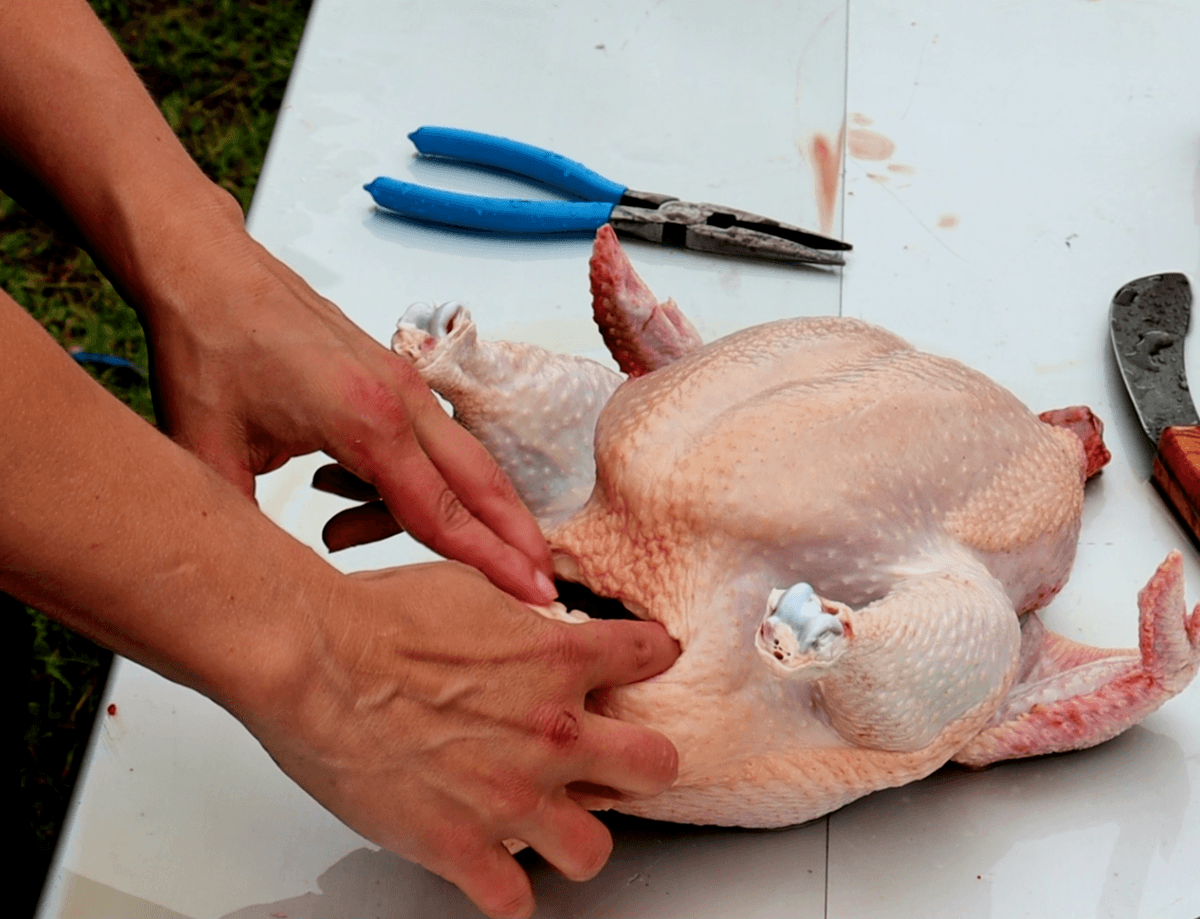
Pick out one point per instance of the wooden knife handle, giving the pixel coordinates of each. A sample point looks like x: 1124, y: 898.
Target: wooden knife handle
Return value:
x: 1177, y: 473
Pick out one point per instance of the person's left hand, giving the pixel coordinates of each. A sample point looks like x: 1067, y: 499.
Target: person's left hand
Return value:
x: 440, y: 718
x: 252, y: 367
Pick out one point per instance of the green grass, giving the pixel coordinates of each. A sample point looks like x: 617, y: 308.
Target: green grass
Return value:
x: 218, y: 71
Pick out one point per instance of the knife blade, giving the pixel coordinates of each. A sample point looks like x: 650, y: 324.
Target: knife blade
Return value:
x: 1148, y: 322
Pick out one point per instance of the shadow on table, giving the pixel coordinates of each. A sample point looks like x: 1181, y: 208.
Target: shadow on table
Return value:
x: 959, y: 841
x: 657, y: 869
x: 1094, y: 825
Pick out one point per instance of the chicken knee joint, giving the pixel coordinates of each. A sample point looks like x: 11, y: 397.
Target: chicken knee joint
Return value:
x: 801, y: 634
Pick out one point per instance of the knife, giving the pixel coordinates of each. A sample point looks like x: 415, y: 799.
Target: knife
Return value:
x: 1148, y: 321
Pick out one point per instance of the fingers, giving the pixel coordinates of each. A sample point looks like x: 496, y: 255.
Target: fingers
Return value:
x: 607, y: 753
x: 628, y: 759
x: 438, y: 481
x: 571, y: 839
x: 356, y: 526
x: 435, y: 516
x: 492, y: 879
x: 369, y: 522
x: 439, y: 513
x: 338, y: 480
x: 624, y: 651
x: 481, y: 486
x: 565, y: 835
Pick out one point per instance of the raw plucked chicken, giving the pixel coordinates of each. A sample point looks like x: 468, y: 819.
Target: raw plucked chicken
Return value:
x: 849, y: 539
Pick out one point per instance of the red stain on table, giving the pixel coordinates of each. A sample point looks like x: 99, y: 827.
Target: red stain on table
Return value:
x: 112, y: 709
x: 869, y: 145
x: 947, y: 221
x: 827, y: 161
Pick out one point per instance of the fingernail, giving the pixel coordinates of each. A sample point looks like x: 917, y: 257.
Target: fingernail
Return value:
x: 545, y: 585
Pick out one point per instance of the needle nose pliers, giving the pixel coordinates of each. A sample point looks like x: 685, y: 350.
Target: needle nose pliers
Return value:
x: 646, y: 215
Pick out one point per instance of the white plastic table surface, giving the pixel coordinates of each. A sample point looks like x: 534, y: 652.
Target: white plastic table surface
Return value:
x: 1010, y: 165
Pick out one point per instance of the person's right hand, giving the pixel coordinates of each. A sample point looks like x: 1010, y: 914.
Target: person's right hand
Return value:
x: 253, y: 367
x: 441, y: 717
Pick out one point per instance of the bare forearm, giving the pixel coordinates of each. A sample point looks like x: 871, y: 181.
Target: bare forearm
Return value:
x: 123, y: 535
x: 363, y: 689
x: 251, y: 365
x: 73, y: 111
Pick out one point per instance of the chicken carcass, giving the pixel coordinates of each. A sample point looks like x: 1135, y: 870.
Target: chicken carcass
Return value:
x: 849, y: 539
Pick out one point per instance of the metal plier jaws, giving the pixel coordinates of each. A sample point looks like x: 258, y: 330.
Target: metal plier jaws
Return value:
x: 723, y: 231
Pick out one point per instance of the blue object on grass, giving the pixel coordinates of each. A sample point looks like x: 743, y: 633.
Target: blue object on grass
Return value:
x: 105, y: 360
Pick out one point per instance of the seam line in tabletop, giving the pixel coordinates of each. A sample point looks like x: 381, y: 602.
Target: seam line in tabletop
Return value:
x: 825, y: 911
x: 841, y: 302
x: 841, y: 270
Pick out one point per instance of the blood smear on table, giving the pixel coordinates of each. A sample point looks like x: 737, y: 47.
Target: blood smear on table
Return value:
x: 826, y: 158
x: 869, y: 145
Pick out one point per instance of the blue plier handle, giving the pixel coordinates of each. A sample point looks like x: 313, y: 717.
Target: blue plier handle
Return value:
x: 658, y: 218
x: 511, y: 215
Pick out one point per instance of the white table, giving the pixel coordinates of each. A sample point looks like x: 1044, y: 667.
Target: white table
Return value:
x: 1011, y: 165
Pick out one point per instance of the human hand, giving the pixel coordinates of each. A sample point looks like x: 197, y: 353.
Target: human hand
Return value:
x: 442, y: 717
x: 252, y: 367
